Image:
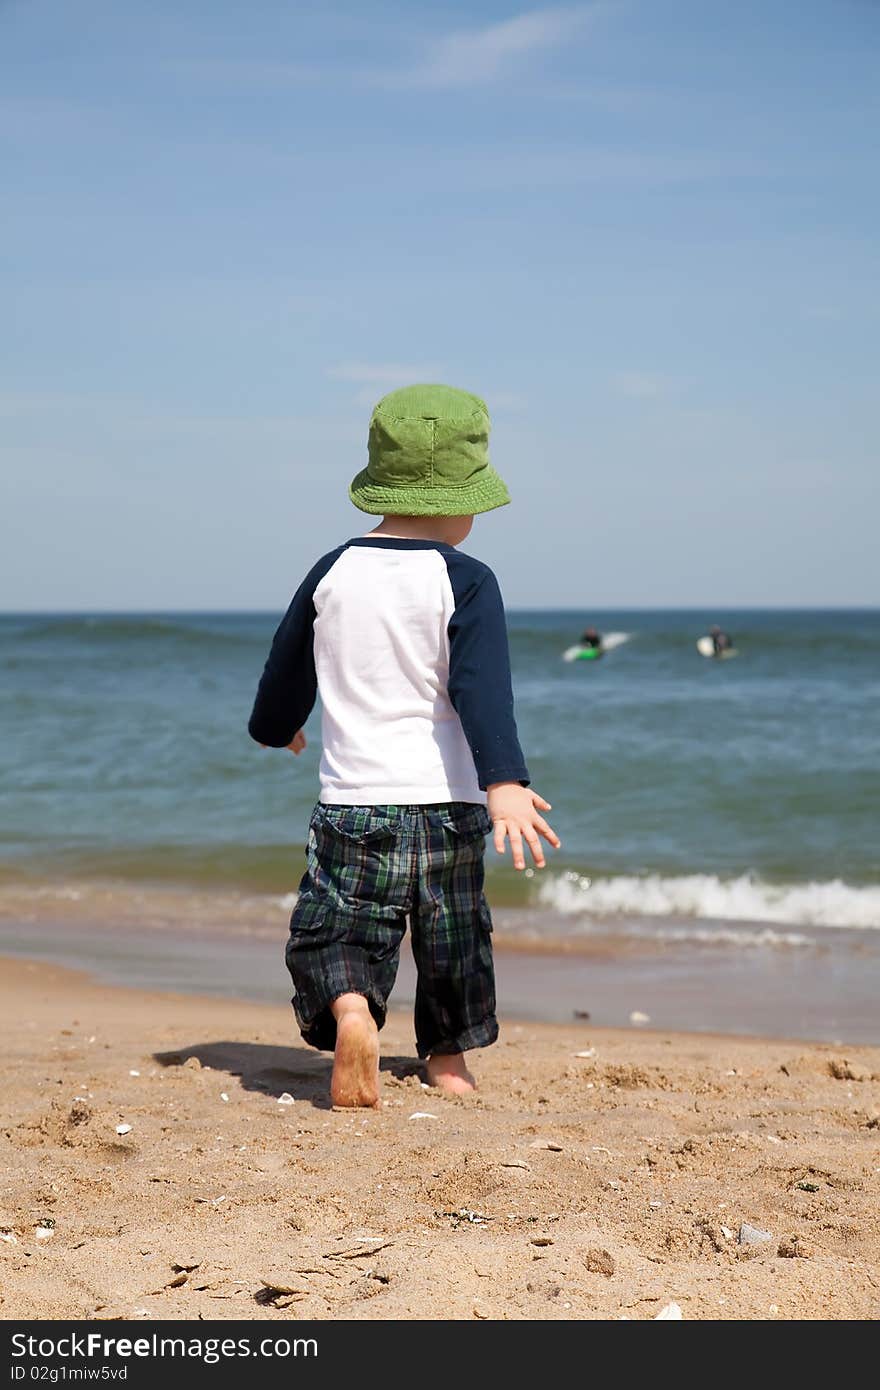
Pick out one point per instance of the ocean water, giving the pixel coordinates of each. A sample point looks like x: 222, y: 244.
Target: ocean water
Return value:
x: 686, y: 792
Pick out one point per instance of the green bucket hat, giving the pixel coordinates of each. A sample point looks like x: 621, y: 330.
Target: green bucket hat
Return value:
x: 429, y: 456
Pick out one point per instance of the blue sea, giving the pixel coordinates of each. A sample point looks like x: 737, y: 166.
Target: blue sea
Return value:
x: 686, y: 791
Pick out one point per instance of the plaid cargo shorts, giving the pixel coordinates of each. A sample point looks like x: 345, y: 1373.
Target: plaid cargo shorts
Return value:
x: 369, y: 869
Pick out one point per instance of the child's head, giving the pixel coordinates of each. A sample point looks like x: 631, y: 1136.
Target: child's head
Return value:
x: 429, y: 457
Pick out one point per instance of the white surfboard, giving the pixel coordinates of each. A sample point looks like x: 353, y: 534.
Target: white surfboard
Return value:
x: 609, y: 642
x: 706, y: 647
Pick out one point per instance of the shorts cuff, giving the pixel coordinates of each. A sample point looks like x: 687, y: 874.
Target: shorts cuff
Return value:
x: 318, y: 1027
x: 481, y: 1035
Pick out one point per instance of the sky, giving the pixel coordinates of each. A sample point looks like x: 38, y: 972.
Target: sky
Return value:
x: 645, y: 231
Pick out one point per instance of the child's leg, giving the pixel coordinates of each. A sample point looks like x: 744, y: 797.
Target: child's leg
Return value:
x: 452, y: 945
x: 345, y: 934
x: 355, y: 1078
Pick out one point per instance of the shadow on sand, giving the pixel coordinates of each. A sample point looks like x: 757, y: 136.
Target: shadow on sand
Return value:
x: 273, y: 1070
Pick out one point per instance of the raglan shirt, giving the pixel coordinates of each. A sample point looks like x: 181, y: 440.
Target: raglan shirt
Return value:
x: 406, y: 641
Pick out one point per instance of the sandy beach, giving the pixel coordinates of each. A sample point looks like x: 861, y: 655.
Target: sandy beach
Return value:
x: 174, y: 1157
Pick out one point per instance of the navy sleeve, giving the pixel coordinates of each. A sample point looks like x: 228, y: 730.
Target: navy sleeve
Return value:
x: 289, y: 686
x: 479, y: 673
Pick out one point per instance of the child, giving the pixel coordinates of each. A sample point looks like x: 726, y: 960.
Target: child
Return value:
x: 405, y: 639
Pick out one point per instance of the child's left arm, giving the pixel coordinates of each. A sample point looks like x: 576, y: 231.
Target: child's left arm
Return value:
x: 481, y: 692
x: 480, y: 687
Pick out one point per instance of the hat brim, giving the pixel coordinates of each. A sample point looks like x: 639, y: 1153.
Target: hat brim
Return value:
x: 483, y: 495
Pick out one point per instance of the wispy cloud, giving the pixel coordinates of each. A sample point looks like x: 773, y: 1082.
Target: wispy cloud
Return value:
x: 431, y: 61
x: 505, y: 400
x: 379, y: 377
x: 481, y: 55
x: 382, y: 373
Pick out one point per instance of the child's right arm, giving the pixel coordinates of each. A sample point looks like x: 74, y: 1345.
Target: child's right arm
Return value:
x: 289, y: 684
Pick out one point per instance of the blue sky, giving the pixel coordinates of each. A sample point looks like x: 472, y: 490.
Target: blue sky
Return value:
x: 646, y: 232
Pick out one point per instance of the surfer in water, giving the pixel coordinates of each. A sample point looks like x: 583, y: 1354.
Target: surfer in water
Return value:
x: 591, y: 638
x: 721, y: 640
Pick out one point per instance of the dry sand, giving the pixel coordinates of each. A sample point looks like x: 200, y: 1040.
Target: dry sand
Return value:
x: 597, y: 1174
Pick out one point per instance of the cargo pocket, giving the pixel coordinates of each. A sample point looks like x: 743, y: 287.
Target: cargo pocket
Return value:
x: 466, y: 821
x: 355, y: 851
x: 366, y: 825
x: 465, y: 827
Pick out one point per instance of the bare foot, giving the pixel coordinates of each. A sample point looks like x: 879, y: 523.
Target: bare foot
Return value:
x: 448, y: 1072
x: 355, y: 1080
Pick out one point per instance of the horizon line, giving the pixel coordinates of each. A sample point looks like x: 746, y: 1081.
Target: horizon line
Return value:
x: 510, y: 608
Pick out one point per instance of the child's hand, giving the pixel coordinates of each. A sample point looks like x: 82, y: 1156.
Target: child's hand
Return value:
x: 514, y: 811
x: 296, y: 744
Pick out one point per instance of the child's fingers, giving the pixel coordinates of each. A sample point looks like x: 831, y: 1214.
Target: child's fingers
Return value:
x: 547, y: 831
x: 499, y: 834
x: 541, y: 804
x: 534, y: 845
x: 516, y: 849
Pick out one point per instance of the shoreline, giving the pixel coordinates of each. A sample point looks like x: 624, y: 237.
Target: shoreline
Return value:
x: 177, y: 1157
x: 764, y: 991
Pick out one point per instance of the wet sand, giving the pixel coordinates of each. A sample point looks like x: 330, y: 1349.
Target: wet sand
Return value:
x: 825, y: 991
x: 176, y: 1156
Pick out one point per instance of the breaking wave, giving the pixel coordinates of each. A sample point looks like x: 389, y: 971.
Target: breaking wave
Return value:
x: 744, y: 899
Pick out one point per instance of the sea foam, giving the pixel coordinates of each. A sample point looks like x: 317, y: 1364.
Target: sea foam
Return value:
x: 743, y: 899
